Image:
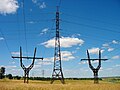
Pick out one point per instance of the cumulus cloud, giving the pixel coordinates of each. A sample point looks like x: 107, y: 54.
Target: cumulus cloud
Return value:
x: 41, y: 5
x: 49, y: 59
x: 44, y: 31
x: 1, y: 38
x: 40, y: 63
x: 109, y: 46
x: 15, y: 53
x: 75, y: 35
x: 8, y: 67
x: 13, y: 62
x: 34, y: 1
x: 37, y: 66
x: 117, y: 65
x: 46, y: 61
x: 115, y: 42
x: 83, y: 62
x: 86, y: 62
x: 105, y: 45
x: 8, y: 6
x: 31, y: 22
x: 94, y: 50
x: 66, y: 56
x: 116, y: 57
x: 110, y: 49
x: 65, y: 42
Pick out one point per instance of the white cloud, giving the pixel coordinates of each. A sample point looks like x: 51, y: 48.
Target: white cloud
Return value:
x: 11, y: 67
x: 115, y: 42
x: 94, y: 50
x: 8, y: 67
x: 8, y: 6
x: 45, y: 62
x: 15, y: 53
x: 44, y: 31
x: 86, y: 62
x: 66, y: 56
x: 75, y: 35
x: 43, y: 5
x: 65, y: 42
x: 96, y: 61
x: 13, y: 62
x: 49, y: 59
x: 36, y: 66
x: 108, y: 45
x: 78, y: 48
x: 118, y: 65
x: 31, y: 22
x: 116, y: 57
x: 110, y: 49
x: 34, y: 1
x: 83, y: 62
x: 1, y: 38
x: 109, y: 69
x: 105, y: 57
x: 105, y: 45
x: 75, y: 51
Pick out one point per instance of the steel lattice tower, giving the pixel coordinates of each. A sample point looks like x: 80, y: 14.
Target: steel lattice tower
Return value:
x: 57, y: 69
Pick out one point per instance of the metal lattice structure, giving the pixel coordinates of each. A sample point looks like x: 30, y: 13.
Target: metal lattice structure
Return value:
x: 57, y: 69
x: 95, y: 70
x: 27, y: 69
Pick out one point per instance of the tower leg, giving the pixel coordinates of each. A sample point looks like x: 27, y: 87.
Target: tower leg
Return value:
x: 96, y: 81
x: 27, y: 77
x: 52, y: 80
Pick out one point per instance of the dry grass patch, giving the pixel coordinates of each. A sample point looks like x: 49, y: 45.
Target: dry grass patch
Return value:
x: 45, y: 85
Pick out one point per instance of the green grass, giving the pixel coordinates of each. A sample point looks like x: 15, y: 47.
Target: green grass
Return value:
x: 70, y: 85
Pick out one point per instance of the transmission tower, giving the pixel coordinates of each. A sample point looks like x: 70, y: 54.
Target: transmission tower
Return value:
x: 95, y: 70
x: 27, y: 69
x: 43, y: 73
x: 57, y: 69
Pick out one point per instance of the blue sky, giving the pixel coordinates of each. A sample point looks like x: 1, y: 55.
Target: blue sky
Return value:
x: 85, y: 24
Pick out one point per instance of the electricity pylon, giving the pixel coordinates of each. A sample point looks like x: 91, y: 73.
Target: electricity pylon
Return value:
x: 95, y: 70
x: 57, y: 69
x: 26, y: 69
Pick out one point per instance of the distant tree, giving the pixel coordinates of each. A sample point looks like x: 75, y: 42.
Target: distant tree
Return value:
x: 9, y: 76
x: 2, y: 72
x: 17, y: 77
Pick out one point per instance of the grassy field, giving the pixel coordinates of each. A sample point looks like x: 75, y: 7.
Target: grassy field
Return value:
x: 70, y: 85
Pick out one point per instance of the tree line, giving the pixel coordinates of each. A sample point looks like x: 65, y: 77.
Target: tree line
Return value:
x: 10, y: 76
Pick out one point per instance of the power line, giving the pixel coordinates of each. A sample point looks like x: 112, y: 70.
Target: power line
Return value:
x: 94, y: 39
x: 29, y: 21
x: 86, y: 25
x: 59, y: 3
x: 5, y: 42
x: 18, y: 28
x: 24, y: 18
x: 112, y: 51
x: 86, y: 18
